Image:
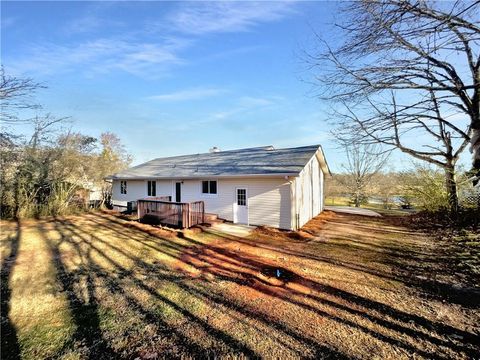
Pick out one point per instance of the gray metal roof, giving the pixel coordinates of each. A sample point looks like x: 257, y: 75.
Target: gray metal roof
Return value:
x: 258, y: 161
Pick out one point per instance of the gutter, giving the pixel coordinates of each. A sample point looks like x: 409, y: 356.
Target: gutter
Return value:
x: 198, y: 177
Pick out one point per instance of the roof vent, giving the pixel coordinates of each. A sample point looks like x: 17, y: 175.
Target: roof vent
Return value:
x: 270, y: 148
x: 214, y: 149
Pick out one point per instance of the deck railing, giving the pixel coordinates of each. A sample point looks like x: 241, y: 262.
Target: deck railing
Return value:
x: 182, y: 215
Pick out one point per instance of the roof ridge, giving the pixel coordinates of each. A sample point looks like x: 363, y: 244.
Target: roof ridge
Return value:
x: 233, y: 150
x: 213, y: 153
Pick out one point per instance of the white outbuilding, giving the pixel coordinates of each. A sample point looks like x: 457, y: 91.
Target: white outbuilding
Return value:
x: 282, y: 188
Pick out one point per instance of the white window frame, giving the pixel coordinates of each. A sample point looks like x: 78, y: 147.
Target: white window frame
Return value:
x: 122, y: 187
x: 208, y: 194
x: 246, y: 195
x: 148, y: 184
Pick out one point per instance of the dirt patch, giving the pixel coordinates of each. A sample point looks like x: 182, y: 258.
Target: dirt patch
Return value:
x: 307, y: 233
x: 273, y: 233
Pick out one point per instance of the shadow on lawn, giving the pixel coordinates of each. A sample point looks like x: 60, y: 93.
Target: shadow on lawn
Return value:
x: 184, y: 343
x: 214, y: 263
x: 417, y: 268
x: 83, y: 307
x: 10, y: 348
x: 86, y: 316
x: 240, y: 268
x: 407, y: 266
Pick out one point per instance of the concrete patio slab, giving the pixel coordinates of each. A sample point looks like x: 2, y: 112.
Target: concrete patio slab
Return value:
x: 353, y: 210
x: 233, y: 229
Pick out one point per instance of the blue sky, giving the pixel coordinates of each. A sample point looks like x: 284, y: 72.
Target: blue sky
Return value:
x: 175, y: 77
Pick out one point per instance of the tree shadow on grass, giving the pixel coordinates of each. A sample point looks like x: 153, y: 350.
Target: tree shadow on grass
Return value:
x: 422, y: 265
x: 406, y: 266
x: 225, y: 265
x: 84, y: 309
x: 244, y: 270
x: 68, y: 231
x: 10, y: 348
x: 195, y: 289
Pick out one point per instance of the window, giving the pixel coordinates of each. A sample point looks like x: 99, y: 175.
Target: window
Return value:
x: 123, y: 187
x: 242, y: 197
x: 209, y: 187
x: 213, y: 187
x: 152, y: 188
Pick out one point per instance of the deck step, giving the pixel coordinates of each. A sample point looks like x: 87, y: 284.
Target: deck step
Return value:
x: 210, y: 217
x: 213, y: 218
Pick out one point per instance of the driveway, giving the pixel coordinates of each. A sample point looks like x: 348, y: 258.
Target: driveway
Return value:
x: 353, y: 210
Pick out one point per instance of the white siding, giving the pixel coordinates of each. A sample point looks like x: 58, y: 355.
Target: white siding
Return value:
x: 308, y: 193
x: 164, y: 188
x: 137, y: 189
x: 269, y: 200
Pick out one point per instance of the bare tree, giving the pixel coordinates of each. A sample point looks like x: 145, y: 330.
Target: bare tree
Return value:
x: 16, y: 94
x: 409, y: 69
x: 400, y: 125
x: 363, y: 163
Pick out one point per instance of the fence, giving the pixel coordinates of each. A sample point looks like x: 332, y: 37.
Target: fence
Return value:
x: 182, y: 215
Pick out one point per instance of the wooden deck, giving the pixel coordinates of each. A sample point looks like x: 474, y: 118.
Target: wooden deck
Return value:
x: 177, y: 214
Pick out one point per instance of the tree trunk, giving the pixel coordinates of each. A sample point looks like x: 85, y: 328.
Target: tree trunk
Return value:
x: 475, y: 147
x: 357, y: 200
x: 475, y: 128
x: 451, y: 184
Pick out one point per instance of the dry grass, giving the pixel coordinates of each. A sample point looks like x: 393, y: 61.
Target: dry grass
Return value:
x: 98, y: 286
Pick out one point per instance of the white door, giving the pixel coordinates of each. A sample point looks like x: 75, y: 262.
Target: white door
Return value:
x: 240, y: 207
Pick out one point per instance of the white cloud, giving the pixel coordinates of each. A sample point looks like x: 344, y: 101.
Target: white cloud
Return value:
x: 249, y: 101
x: 209, y: 17
x: 99, y: 56
x: 132, y: 53
x: 94, y: 17
x: 244, y: 105
x: 188, y: 94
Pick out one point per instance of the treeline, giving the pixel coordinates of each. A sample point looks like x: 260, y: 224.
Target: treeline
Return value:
x: 54, y: 170
x: 421, y: 187
x: 55, y: 174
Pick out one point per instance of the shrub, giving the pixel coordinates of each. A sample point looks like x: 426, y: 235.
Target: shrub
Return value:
x: 426, y: 186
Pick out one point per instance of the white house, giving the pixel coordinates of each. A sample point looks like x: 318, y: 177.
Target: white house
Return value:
x: 283, y: 188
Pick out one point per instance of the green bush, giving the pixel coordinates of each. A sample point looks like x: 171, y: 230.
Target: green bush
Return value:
x: 426, y: 187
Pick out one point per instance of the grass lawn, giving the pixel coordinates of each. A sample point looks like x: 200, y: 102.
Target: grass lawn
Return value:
x: 101, y: 287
